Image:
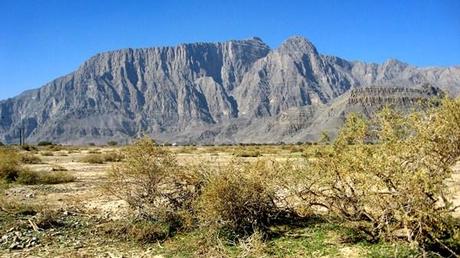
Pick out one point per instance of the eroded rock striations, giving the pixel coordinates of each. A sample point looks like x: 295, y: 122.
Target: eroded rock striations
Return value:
x: 235, y: 91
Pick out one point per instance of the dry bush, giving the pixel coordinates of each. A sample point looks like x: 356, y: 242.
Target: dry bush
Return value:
x: 57, y: 168
x: 47, y: 218
x: 113, y: 156
x: 112, y: 143
x: 28, y: 147
x: 152, y: 182
x: 140, y: 231
x: 240, y: 199
x: 246, y: 153
x: 14, y: 206
x: 63, y: 153
x: 44, y: 143
x: 58, y: 177
x: 10, y: 164
x: 54, y: 147
x: 27, y: 158
x: 254, y: 246
x: 99, y: 158
x: 47, y: 153
x: 72, y: 151
x: 93, y: 159
x: 395, y: 187
x: 28, y: 177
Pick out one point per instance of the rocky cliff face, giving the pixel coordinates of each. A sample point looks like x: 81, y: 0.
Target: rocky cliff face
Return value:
x: 235, y: 91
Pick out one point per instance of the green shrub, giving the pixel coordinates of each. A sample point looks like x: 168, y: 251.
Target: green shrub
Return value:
x: 30, y: 159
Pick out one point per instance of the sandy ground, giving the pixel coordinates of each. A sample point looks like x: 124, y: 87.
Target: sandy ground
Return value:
x: 87, y: 194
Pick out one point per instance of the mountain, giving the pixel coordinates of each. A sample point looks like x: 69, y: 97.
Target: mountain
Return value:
x: 235, y: 91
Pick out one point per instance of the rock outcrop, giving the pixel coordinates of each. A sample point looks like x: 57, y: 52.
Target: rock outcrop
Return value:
x: 235, y: 91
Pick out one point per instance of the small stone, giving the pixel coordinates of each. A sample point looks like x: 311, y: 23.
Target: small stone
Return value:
x: 14, y: 245
x: 30, y: 195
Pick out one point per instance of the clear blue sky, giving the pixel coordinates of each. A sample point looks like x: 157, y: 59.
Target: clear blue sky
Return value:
x: 43, y: 39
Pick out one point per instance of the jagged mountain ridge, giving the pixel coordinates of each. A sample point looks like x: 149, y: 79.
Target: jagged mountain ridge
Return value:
x: 234, y: 91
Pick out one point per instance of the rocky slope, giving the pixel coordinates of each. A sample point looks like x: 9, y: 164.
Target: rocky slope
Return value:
x: 235, y: 91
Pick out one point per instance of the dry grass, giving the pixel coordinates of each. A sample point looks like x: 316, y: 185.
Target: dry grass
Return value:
x: 47, y: 153
x: 101, y: 158
x: 27, y: 158
x: 10, y: 164
x: 93, y: 159
x: 28, y: 177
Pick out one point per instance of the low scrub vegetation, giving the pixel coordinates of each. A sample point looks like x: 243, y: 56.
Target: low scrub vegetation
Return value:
x: 44, y: 143
x: 57, y: 177
x: 394, y: 188
x: 47, y: 153
x: 28, y: 147
x: 240, y: 199
x: 112, y: 143
x: 11, y: 170
x: 384, y: 179
x: 27, y: 158
x: 142, y: 231
x: 113, y: 156
x: 28, y: 177
x: 93, y: 159
x: 101, y: 158
x: 153, y: 183
x: 246, y: 153
x: 10, y: 164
